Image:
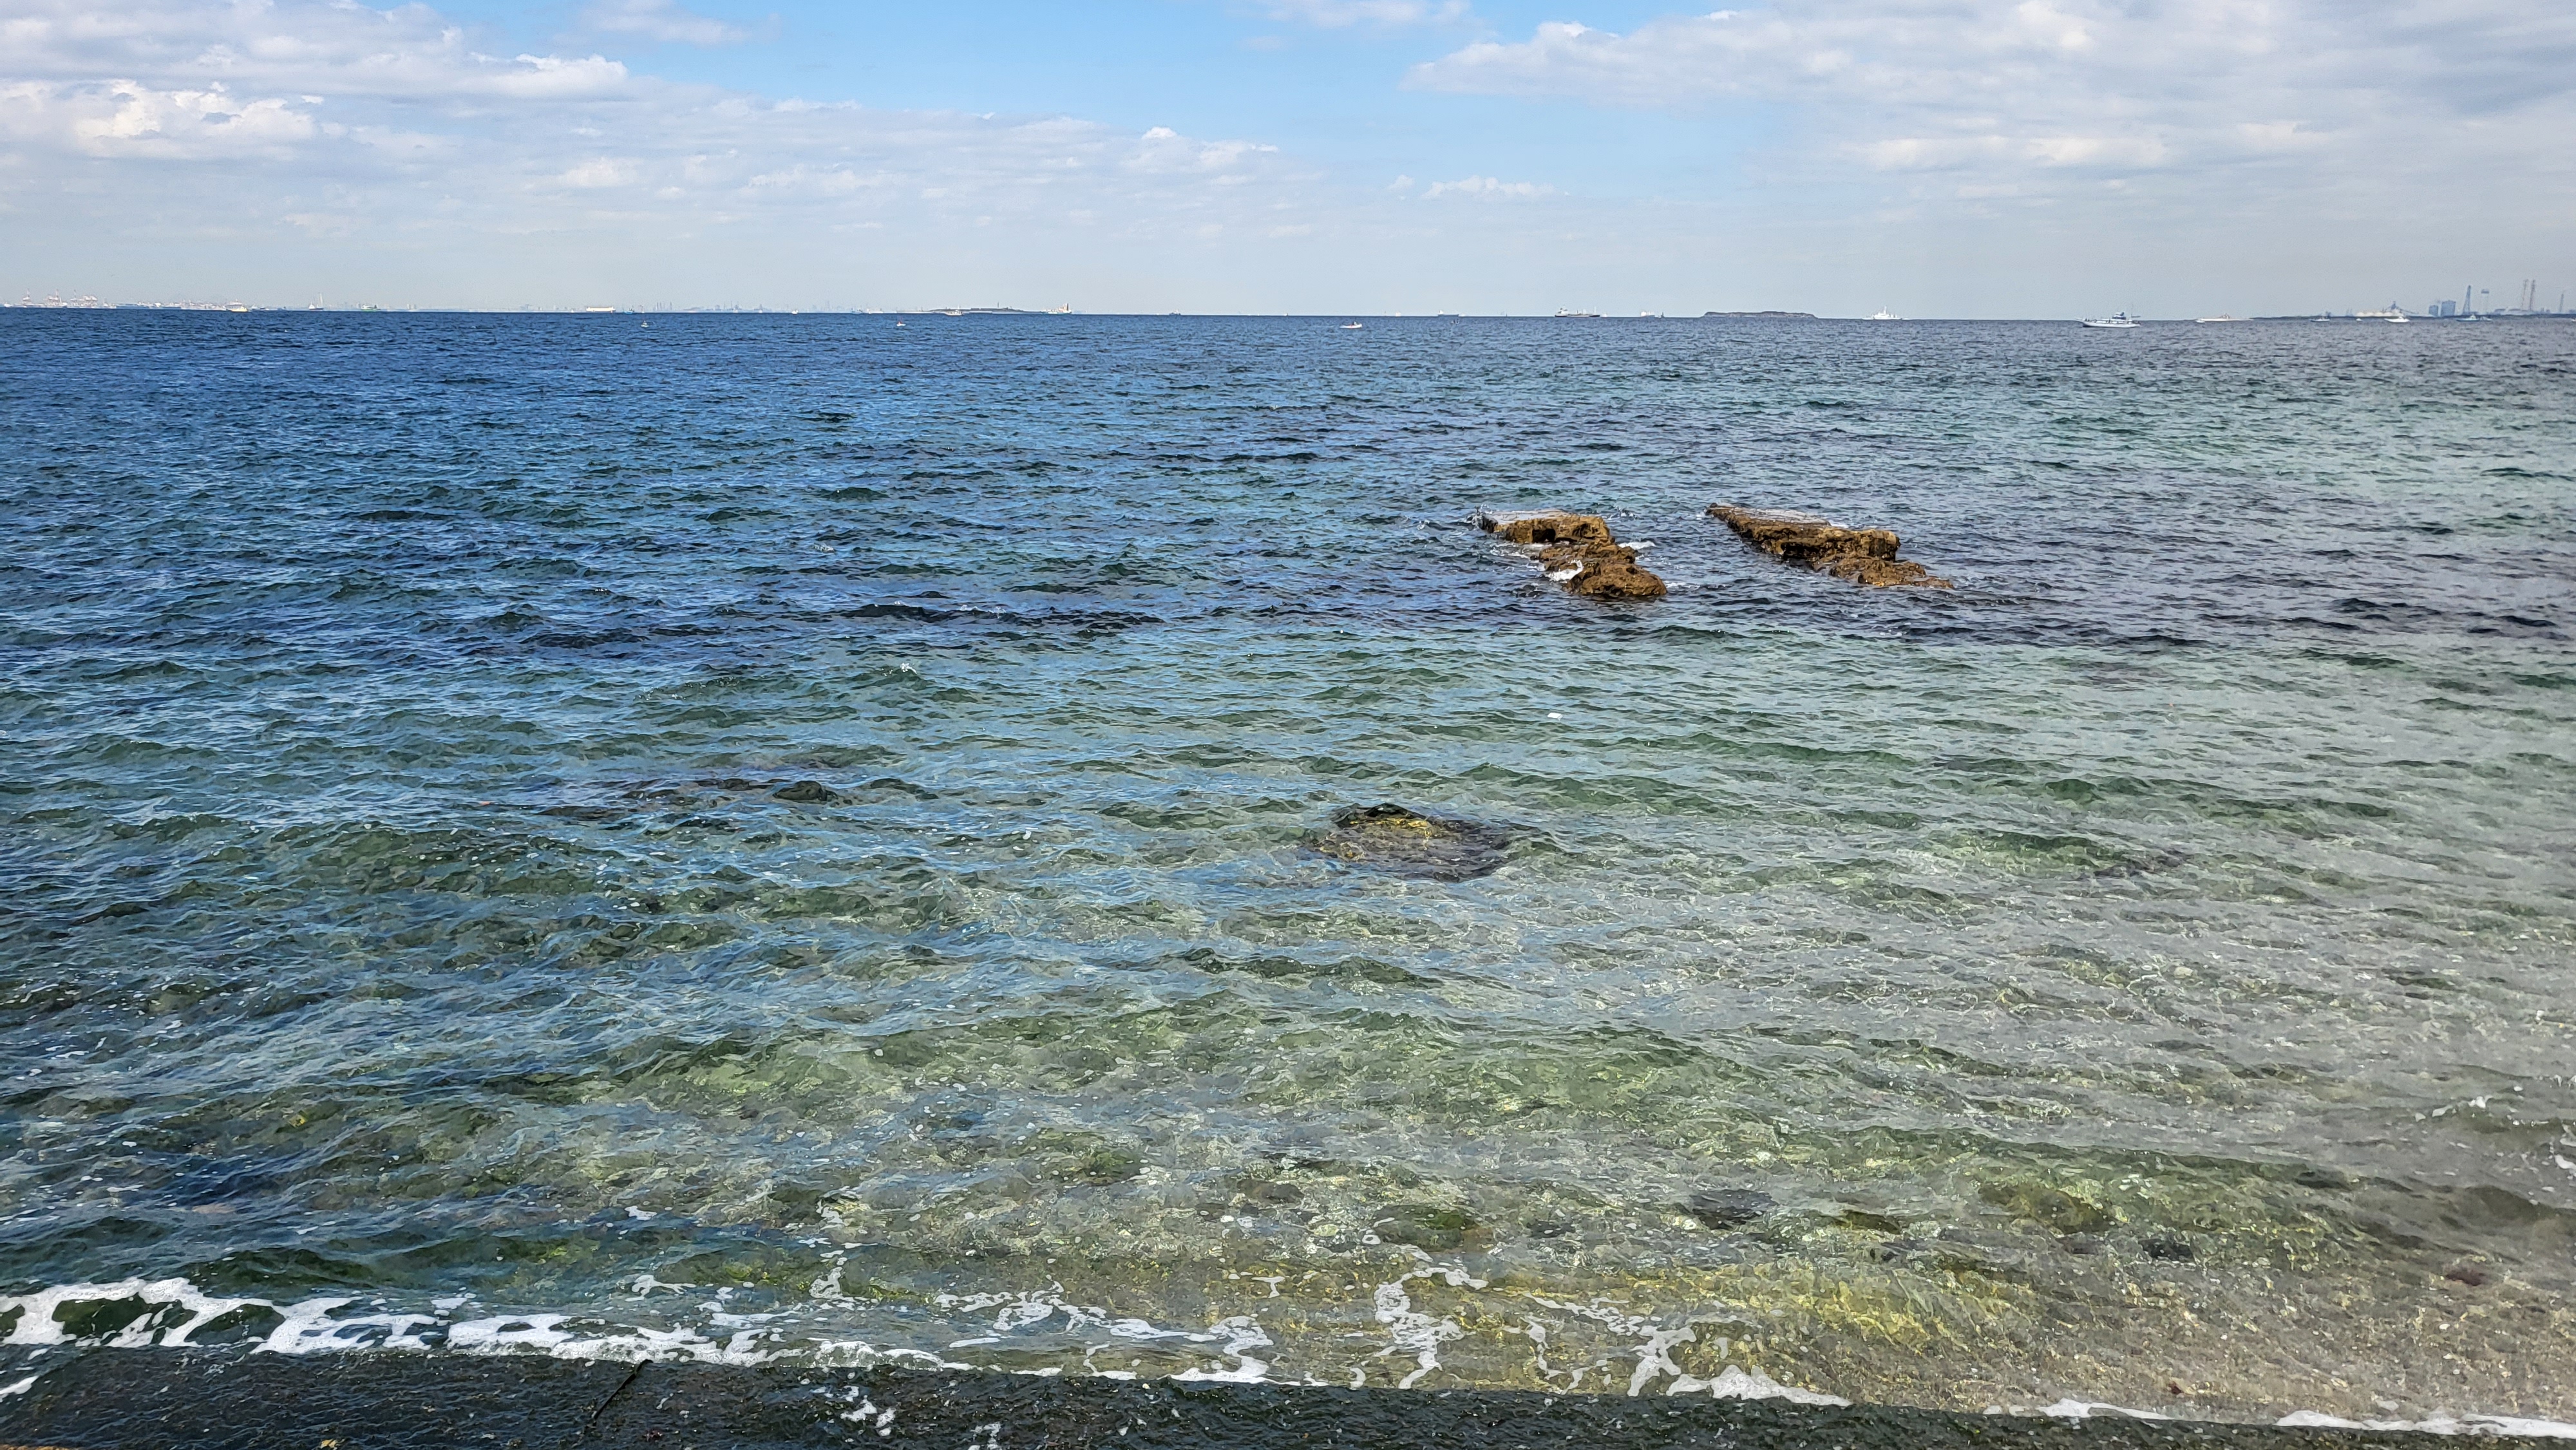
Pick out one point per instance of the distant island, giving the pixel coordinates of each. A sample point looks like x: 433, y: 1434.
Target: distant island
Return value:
x: 1772, y: 316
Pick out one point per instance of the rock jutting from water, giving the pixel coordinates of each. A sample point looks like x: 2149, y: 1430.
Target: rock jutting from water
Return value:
x: 1863, y: 556
x: 1408, y: 842
x: 1577, y: 551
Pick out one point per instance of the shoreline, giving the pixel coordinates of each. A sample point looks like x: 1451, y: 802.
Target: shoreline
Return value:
x: 140, y: 1399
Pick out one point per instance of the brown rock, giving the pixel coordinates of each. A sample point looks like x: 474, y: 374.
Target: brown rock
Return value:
x: 1408, y: 842
x: 1863, y: 556
x: 1601, y: 571
x: 1578, y: 551
x: 1547, y: 526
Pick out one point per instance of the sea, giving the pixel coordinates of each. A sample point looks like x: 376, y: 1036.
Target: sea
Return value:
x: 800, y: 839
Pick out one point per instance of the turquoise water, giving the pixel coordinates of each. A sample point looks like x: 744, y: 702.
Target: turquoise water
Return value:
x: 777, y: 837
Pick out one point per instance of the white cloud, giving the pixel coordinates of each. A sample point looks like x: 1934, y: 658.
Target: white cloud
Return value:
x: 393, y: 139
x: 126, y: 118
x: 541, y: 77
x: 308, y: 46
x: 1488, y: 188
x: 1986, y: 144
x: 1341, y: 14
x: 2094, y: 87
x: 599, y: 173
x: 1165, y: 151
x: 370, y: 97
x: 803, y: 180
x: 663, y: 21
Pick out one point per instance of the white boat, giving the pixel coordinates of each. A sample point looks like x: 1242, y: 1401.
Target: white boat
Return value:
x: 2222, y: 317
x: 1350, y: 327
x: 2116, y: 319
x: 1561, y: 312
x: 1883, y: 315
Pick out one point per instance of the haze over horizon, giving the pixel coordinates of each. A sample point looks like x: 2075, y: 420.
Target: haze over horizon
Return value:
x: 2012, y: 158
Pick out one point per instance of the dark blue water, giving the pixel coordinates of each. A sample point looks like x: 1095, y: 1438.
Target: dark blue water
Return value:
x: 791, y: 837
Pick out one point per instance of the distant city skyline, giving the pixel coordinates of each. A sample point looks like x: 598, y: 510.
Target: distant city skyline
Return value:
x: 2010, y: 158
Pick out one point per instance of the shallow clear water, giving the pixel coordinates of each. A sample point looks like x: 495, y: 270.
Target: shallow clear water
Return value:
x: 2142, y: 974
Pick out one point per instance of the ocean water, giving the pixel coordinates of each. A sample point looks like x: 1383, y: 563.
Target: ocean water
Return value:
x: 794, y: 837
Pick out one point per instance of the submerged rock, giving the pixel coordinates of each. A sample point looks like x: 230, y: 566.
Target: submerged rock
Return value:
x: 1577, y: 551
x: 1863, y: 556
x: 1728, y: 1208
x: 1432, y: 1226
x: 2048, y: 1206
x: 1407, y: 842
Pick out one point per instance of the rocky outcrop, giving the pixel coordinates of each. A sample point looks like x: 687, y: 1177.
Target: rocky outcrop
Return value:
x: 1546, y: 526
x: 1577, y: 551
x: 1863, y: 556
x: 1408, y: 842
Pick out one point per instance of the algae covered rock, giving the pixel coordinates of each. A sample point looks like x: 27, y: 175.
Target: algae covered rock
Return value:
x: 1608, y: 571
x: 1577, y: 551
x: 1546, y: 526
x: 1728, y: 1208
x: 1407, y: 842
x: 1863, y: 556
x: 2049, y: 1206
x: 1434, y: 1226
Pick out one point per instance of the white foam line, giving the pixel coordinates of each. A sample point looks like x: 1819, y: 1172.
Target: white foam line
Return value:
x: 2075, y: 1409
x: 1409, y: 1330
x: 1241, y: 1333
x: 1655, y: 1358
x: 2440, y: 1424
x: 1733, y: 1383
x: 308, y: 1327
x: 38, y: 1325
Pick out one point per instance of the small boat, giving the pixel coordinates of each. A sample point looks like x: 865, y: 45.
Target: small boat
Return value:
x: 1883, y: 315
x: 1350, y: 327
x: 2116, y: 319
x: 1561, y: 312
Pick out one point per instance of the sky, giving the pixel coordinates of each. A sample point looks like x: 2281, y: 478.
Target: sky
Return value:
x: 1959, y: 158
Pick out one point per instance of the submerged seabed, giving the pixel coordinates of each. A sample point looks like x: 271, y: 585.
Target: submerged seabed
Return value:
x: 781, y: 837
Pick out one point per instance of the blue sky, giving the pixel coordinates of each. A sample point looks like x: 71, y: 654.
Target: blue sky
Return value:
x: 1939, y: 157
